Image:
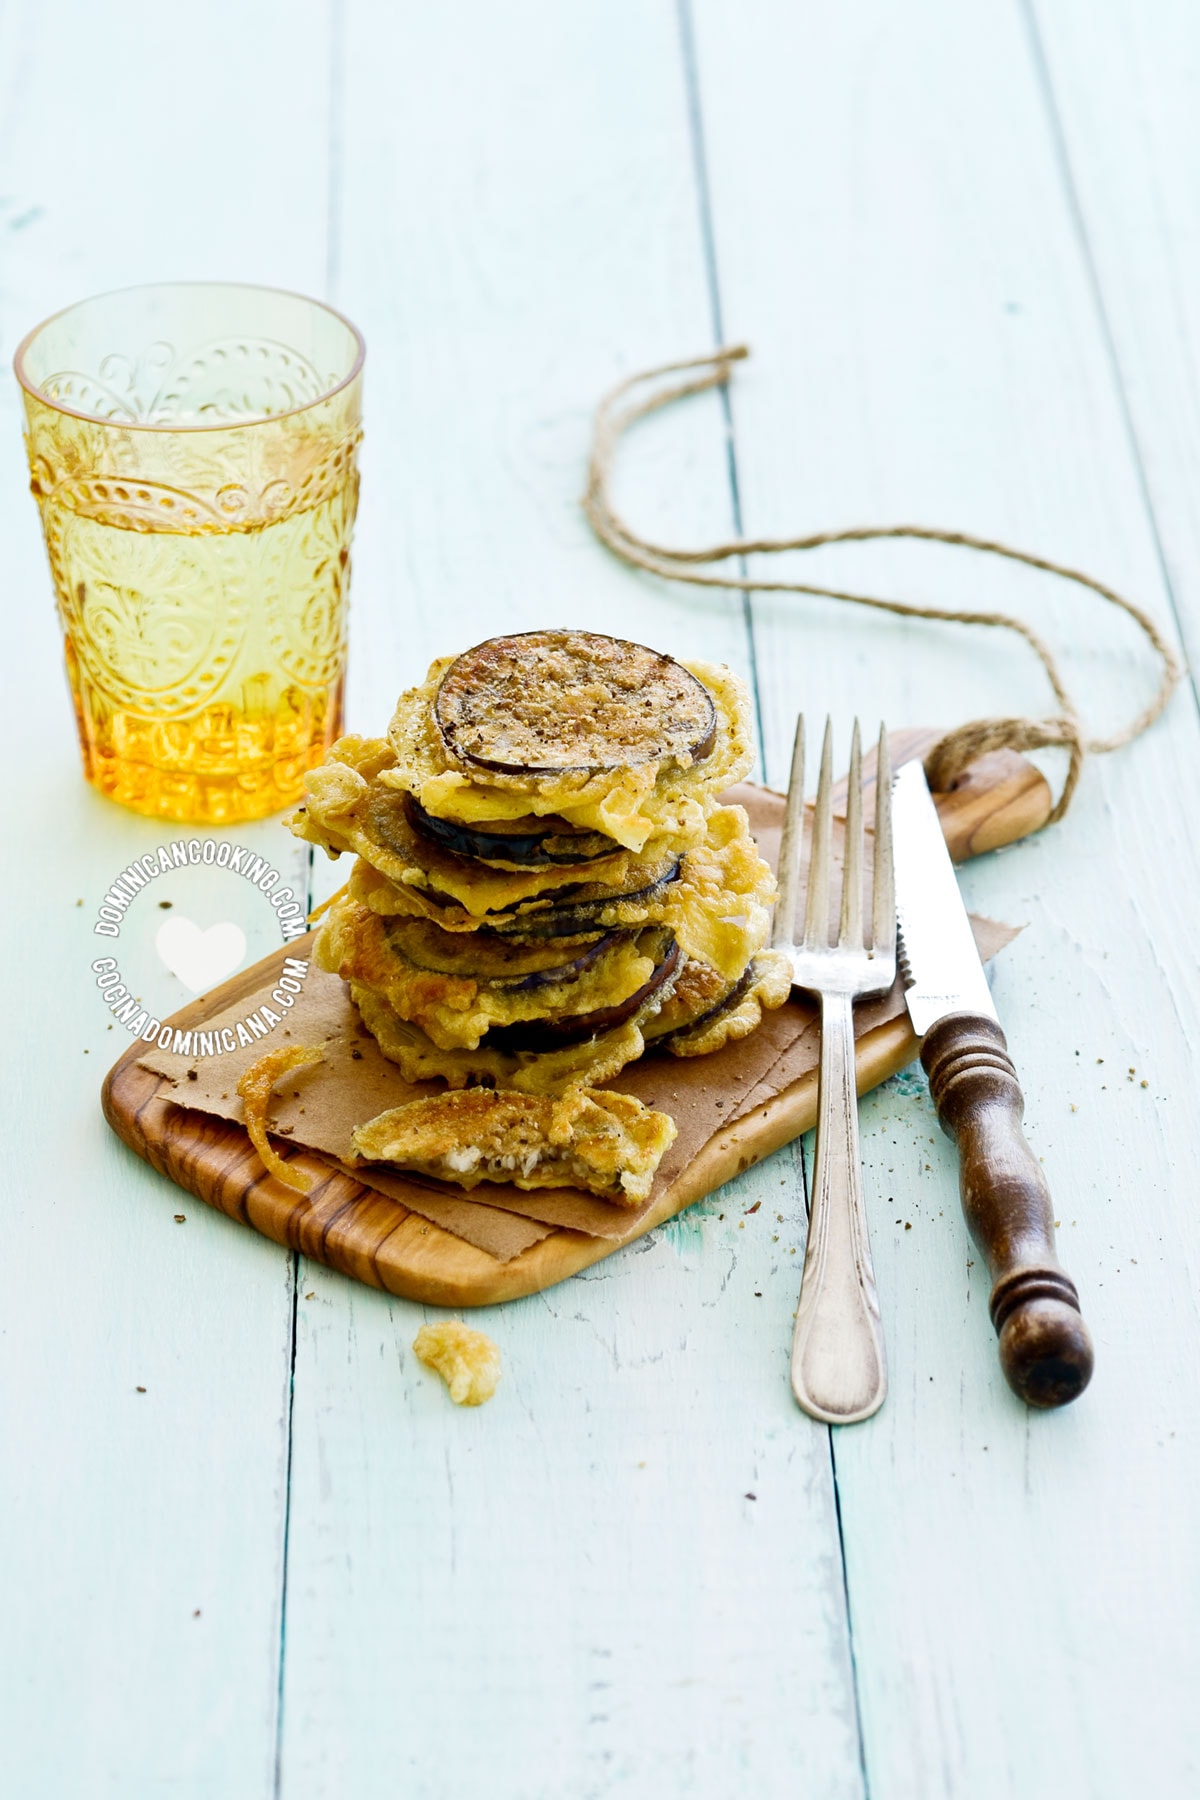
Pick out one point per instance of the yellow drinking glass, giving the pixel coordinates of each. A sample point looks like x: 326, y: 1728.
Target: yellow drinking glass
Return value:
x: 193, y: 452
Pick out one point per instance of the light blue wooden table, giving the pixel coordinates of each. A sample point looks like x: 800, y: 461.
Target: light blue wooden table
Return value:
x: 963, y: 239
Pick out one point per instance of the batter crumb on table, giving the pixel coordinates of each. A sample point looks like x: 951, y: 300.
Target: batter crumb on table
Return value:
x: 467, y: 1360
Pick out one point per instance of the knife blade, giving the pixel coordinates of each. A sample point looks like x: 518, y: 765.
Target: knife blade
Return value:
x: 1045, y: 1348
x: 938, y: 960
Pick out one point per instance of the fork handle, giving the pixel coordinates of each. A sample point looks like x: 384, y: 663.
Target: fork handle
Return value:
x: 1045, y: 1348
x: 839, y: 1370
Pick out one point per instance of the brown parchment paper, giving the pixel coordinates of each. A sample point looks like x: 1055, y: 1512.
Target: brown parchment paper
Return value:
x: 320, y: 1106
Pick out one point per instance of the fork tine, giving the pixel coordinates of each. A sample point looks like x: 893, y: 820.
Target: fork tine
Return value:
x: 851, y: 931
x: 816, y: 907
x: 783, y: 929
x: 883, y: 925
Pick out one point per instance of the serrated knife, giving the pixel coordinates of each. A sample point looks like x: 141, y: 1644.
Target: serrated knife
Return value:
x: 1045, y: 1349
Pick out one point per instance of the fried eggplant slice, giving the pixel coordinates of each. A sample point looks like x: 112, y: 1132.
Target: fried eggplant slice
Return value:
x: 766, y: 984
x: 347, y: 810
x: 592, y: 908
x: 571, y: 910
x: 419, y: 1059
x: 607, y: 1144
x: 456, y: 1010
x: 572, y: 1028
x: 544, y: 702
x: 522, y: 843
x: 483, y: 956
x: 664, y: 800
x: 699, y: 994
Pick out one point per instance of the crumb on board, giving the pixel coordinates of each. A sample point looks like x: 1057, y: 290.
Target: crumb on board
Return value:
x: 467, y: 1360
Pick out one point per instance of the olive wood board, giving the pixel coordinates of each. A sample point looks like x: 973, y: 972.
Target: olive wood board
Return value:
x: 375, y: 1238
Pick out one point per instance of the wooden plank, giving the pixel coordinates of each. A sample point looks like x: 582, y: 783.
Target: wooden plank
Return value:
x: 1121, y: 89
x: 913, y: 285
x: 520, y: 230
x: 141, y: 1608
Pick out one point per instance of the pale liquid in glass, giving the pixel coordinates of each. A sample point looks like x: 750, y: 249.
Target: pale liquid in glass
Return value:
x: 205, y: 669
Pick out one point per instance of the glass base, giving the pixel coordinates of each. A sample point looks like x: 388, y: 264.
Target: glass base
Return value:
x: 219, y: 768
x: 197, y: 800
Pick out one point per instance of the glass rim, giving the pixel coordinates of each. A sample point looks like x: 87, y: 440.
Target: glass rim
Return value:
x: 142, y: 287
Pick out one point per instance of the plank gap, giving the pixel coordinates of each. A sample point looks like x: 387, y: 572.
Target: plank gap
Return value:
x: 695, y: 118
x: 337, y: 88
x: 859, y: 1736
x: 277, y: 1780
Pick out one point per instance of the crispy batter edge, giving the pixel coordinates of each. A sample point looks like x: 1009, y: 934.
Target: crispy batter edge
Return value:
x: 254, y: 1090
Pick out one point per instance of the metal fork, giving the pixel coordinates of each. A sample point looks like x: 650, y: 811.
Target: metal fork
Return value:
x: 839, y: 1369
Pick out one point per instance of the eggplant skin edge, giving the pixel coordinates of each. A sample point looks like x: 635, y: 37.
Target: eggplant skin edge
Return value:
x: 554, y: 975
x: 556, y: 843
x: 570, y: 918
x: 578, y: 1028
x: 727, y: 1002
x: 455, y: 692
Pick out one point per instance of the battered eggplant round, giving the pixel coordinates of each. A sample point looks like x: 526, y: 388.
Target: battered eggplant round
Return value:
x: 401, y: 827
x: 765, y: 985
x: 608, y: 1144
x: 572, y: 994
x: 571, y: 910
x: 523, y: 843
x: 592, y: 909
x: 501, y: 962
x: 543, y: 702
x: 699, y: 995
x: 349, y: 810
x: 580, y: 1028
x: 528, y: 1071
x: 665, y: 799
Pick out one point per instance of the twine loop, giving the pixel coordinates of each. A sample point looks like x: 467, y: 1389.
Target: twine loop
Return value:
x: 623, y: 406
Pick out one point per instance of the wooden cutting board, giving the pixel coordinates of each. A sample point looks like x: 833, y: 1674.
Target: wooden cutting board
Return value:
x: 376, y: 1239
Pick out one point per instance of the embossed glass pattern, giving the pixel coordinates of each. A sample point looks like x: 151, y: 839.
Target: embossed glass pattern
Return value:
x: 193, y: 452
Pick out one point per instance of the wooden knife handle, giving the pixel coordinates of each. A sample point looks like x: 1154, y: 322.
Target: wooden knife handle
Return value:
x: 1045, y: 1347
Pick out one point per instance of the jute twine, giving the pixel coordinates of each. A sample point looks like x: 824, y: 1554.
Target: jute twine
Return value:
x: 950, y: 756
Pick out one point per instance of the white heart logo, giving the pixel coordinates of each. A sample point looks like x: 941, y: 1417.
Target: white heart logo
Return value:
x: 200, y: 958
